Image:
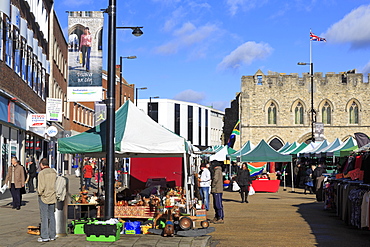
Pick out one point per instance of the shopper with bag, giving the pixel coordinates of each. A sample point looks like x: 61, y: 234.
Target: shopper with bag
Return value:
x: 244, y: 180
x: 205, y: 185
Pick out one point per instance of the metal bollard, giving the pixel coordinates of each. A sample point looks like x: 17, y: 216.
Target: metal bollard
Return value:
x: 61, y: 214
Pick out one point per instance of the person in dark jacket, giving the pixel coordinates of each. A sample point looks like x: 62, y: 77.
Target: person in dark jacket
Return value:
x: 32, y: 173
x: 244, y: 180
x: 217, y: 191
x: 318, y: 181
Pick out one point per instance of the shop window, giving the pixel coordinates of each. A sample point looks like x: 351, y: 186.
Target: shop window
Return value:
x: 271, y: 114
x: 353, y: 113
x: 326, y: 113
x: 298, y: 114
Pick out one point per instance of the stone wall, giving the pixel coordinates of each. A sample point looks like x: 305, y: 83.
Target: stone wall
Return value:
x: 285, y: 91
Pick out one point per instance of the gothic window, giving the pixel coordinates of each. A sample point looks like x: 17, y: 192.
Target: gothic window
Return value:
x: 298, y: 114
x: 353, y: 113
x: 271, y: 114
x: 326, y: 113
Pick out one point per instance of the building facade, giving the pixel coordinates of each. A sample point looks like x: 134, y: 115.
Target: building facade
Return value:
x: 277, y: 107
x: 201, y: 125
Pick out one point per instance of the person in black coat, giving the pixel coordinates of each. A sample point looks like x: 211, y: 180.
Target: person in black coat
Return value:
x: 244, y: 180
x: 32, y: 173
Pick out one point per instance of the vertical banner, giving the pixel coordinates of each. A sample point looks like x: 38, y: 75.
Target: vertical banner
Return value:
x: 85, y: 55
x: 100, y: 112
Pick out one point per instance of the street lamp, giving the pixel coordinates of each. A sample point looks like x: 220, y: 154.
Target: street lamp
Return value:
x: 120, y: 76
x: 110, y: 102
x: 136, y: 31
x: 313, y: 120
x: 137, y: 92
x: 150, y: 105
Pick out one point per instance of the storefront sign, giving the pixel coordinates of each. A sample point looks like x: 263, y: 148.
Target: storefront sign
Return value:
x: 52, y: 131
x: 37, y: 120
x: 54, y: 109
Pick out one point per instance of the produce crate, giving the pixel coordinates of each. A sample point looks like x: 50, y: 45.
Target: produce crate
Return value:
x: 102, y: 232
x: 129, y: 212
x: 201, y: 214
x: 78, y: 225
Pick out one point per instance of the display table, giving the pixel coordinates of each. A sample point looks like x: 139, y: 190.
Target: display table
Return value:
x: 266, y: 185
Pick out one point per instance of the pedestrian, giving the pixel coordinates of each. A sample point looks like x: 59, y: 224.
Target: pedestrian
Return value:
x: 217, y: 191
x: 318, y: 179
x: 32, y: 173
x: 244, y: 181
x: 47, y: 199
x: 88, y: 172
x: 15, y: 180
x: 204, y: 185
x: 85, y: 47
x: 308, y: 181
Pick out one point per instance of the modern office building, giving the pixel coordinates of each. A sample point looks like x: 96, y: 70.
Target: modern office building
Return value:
x: 201, y: 125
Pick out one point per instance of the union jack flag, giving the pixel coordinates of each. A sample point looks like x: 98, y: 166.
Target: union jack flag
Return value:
x: 314, y: 37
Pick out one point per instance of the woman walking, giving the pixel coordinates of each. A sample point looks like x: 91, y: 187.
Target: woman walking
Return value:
x: 244, y: 180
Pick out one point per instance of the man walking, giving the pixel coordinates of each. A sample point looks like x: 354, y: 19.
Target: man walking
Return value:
x: 47, y: 199
x: 217, y: 191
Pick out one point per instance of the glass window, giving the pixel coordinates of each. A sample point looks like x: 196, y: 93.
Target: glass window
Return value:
x: 190, y: 123
x: 177, y: 119
x: 206, y: 127
x: 34, y: 73
x: 353, y: 113
x: 271, y: 114
x: 29, y: 66
x: 8, y: 43
x: 326, y: 113
x: 17, y: 52
x: 200, y: 126
x: 153, y: 110
x: 23, y: 56
x: 1, y: 37
x: 298, y: 114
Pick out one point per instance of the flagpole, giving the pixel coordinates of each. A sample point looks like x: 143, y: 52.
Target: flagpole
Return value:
x: 310, y: 50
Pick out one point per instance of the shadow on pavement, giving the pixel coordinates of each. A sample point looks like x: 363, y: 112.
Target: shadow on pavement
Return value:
x: 329, y: 230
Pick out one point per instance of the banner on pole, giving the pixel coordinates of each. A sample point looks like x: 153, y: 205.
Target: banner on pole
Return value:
x: 85, y: 55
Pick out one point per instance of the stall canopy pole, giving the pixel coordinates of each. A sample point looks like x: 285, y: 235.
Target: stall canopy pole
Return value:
x: 291, y: 173
x: 186, y: 184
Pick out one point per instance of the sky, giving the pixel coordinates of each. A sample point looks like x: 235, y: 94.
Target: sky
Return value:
x: 198, y: 50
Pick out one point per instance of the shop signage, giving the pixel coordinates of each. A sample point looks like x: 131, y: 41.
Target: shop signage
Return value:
x: 54, y: 109
x: 37, y: 120
x: 52, y: 131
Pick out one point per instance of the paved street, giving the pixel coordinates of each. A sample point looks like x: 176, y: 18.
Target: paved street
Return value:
x: 270, y: 219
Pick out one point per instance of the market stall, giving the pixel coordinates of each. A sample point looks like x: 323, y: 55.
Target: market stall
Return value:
x: 264, y: 153
x: 136, y: 135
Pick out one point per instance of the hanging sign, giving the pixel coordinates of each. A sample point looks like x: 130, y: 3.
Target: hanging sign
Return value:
x: 54, y: 109
x: 37, y: 120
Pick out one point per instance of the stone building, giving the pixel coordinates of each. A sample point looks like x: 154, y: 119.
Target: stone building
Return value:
x: 277, y: 107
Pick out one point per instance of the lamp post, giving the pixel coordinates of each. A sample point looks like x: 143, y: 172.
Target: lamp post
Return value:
x: 137, y: 92
x: 313, y: 117
x: 150, y: 105
x: 120, y: 76
x: 110, y: 102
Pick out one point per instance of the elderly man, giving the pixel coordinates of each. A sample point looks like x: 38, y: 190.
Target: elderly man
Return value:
x: 217, y: 187
x: 15, y: 180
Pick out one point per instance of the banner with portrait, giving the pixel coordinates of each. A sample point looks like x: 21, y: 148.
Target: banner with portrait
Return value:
x: 85, y: 55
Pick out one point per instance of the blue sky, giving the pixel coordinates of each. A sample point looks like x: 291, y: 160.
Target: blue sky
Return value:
x: 198, y: 50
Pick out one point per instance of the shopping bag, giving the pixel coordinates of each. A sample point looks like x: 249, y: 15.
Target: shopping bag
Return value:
x: 235, y: 186
x: 77, y: 172
x: 80, y: 57
x: 251, y: 190
x: 2, y: 189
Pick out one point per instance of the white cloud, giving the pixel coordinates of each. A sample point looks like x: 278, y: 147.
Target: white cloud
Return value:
x: 353, y: 28
x: 245, y: 54
x: 190, y: 96
x: 186, y: 36
x: 244, y: 5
